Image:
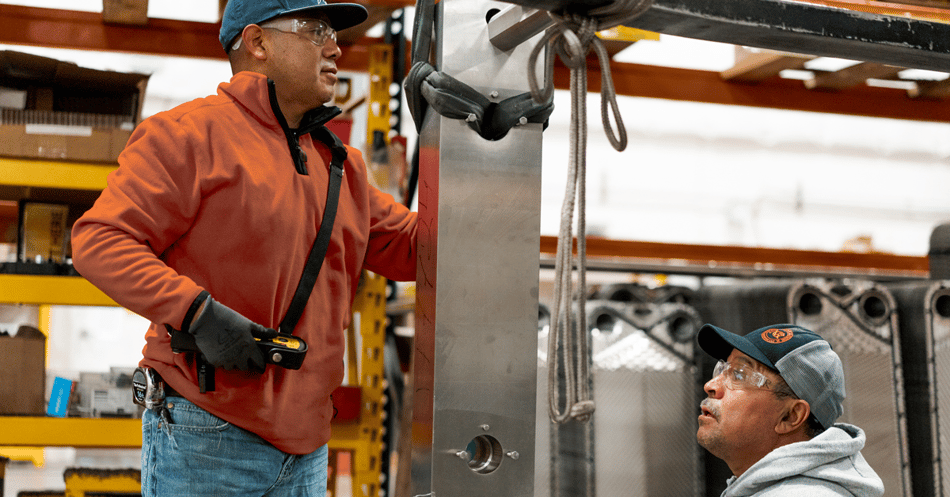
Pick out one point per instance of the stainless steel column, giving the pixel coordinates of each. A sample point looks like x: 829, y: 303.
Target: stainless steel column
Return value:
x: 475, y: 362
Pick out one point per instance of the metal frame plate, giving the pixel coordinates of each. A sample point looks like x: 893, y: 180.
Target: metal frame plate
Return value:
x: 792, y: 27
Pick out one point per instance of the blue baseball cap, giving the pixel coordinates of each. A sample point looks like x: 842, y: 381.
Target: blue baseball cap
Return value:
x: 238, y: 14
x: 804, y: 360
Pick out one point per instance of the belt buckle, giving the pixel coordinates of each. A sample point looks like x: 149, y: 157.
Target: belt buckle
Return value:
x: 147, y: 388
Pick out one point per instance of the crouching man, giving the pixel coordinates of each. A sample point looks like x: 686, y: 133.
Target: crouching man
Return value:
x: 770, y: 414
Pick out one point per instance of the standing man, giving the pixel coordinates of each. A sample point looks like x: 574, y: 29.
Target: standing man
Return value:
x: 205, y: 229
x: 770, y: 415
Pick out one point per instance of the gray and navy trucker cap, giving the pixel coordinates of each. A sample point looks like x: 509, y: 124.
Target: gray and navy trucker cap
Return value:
x: 238, y: 14
x: 803, y: 359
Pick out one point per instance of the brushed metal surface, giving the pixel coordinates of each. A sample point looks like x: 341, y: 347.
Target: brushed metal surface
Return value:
x: 859, y: 319
x: 475, y: 362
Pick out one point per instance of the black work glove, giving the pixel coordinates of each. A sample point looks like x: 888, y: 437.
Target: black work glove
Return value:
x: 226, y: 338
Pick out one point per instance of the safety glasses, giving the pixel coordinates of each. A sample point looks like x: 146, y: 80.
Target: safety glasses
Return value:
x: 739, y: 376
x: 313, y: 30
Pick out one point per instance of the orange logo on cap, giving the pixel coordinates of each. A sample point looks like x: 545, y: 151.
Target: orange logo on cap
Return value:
x: 777, y: 336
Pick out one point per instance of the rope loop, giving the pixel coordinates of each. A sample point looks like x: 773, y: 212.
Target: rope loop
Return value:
x: 571, y: 38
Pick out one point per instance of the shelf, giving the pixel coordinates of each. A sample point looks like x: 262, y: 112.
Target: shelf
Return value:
x: 619, y: 255
x: 113, y: 433
x: 54, y: 174
x: 53, y: 290
x: 35, y: 26
x: 71, y: 432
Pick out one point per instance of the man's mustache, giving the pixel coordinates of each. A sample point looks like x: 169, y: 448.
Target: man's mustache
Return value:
x: 711, y: 406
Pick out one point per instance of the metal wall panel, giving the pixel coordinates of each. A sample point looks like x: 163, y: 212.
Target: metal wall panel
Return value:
x: 924, y: 318
x: 477, y: 294
x: 858, y: 319
x: 644, y: 377
x: 641, y: 441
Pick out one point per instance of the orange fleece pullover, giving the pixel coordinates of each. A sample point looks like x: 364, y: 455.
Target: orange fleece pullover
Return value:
x: 207, y: 197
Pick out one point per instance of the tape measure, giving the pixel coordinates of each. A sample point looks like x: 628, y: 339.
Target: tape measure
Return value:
x: 284, y: 350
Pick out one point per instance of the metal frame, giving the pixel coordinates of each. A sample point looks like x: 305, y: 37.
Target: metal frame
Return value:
x: 475, y: 373
x: 792, y: 27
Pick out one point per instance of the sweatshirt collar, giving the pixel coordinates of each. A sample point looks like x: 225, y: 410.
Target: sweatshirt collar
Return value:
x: 252, y: 91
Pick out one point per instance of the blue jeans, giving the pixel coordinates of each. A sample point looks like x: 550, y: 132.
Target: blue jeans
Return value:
x: 199, y: 454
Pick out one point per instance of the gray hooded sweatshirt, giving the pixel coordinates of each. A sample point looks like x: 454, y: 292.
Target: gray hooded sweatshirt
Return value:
x: 828, y: 465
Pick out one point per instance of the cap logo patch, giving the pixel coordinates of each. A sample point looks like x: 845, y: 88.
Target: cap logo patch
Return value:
x: 776, y: 336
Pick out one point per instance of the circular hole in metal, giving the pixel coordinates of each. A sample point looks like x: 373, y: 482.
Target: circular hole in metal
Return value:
x: 809, y: 304
x: 605, y: 322
x: 874, y: 307
x: 682, y: 329
x: 484, y: 454
x: 942, y: 306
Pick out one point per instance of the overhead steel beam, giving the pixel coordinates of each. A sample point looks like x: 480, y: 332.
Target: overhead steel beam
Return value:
x: 791, y: 27
x: 670, y: 83
x: 723, y: 260
x: 86, y: 31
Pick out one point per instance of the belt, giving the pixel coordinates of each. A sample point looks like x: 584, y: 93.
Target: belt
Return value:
x: 171, y: 392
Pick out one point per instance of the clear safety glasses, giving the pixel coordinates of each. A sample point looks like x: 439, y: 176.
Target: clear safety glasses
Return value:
x: 739, y: 376
x: 313, y: 30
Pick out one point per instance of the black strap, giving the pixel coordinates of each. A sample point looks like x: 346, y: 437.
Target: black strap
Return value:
x: 319, y: 250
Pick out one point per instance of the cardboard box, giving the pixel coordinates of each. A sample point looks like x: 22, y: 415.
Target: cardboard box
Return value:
x: 69, y: 112
x: 79, y: 143
x: 42, y: 232
x: 23, y: 373
x: 125, y: 11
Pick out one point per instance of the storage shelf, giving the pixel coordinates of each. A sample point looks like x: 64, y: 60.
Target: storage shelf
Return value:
x: 54, y: 174
x: 53, y: 290
x: 114, y: 433
x: 70, y: 432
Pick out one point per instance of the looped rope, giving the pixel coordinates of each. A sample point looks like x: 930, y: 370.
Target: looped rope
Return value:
x: 571, y: 38
x: 426, y: 86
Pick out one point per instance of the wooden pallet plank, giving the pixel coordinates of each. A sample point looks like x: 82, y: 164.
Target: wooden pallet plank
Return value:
x: 852, y: 76
x: 756, y: 66
x: 931, y: 90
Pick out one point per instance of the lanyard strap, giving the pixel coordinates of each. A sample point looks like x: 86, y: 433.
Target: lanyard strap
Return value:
x: 319, y: 250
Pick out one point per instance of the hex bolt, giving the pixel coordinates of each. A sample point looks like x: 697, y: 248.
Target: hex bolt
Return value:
x: 462, y: 455
x: 485, y: 427
x: 494, y: 94
x: 513, y: 454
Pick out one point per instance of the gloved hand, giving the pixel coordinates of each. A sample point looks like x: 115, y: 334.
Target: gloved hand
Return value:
x: 226, y: 338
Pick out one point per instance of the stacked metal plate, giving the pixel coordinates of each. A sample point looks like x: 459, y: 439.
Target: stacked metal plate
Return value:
x: 924, y: 319
x: 858, y: 319
x: 641, y: 440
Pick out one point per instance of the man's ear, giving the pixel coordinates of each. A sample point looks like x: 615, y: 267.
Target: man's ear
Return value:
x: 253, y: 41
x: 794, y: 416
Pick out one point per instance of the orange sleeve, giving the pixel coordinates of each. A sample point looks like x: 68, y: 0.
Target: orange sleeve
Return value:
x: 149, y: 203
